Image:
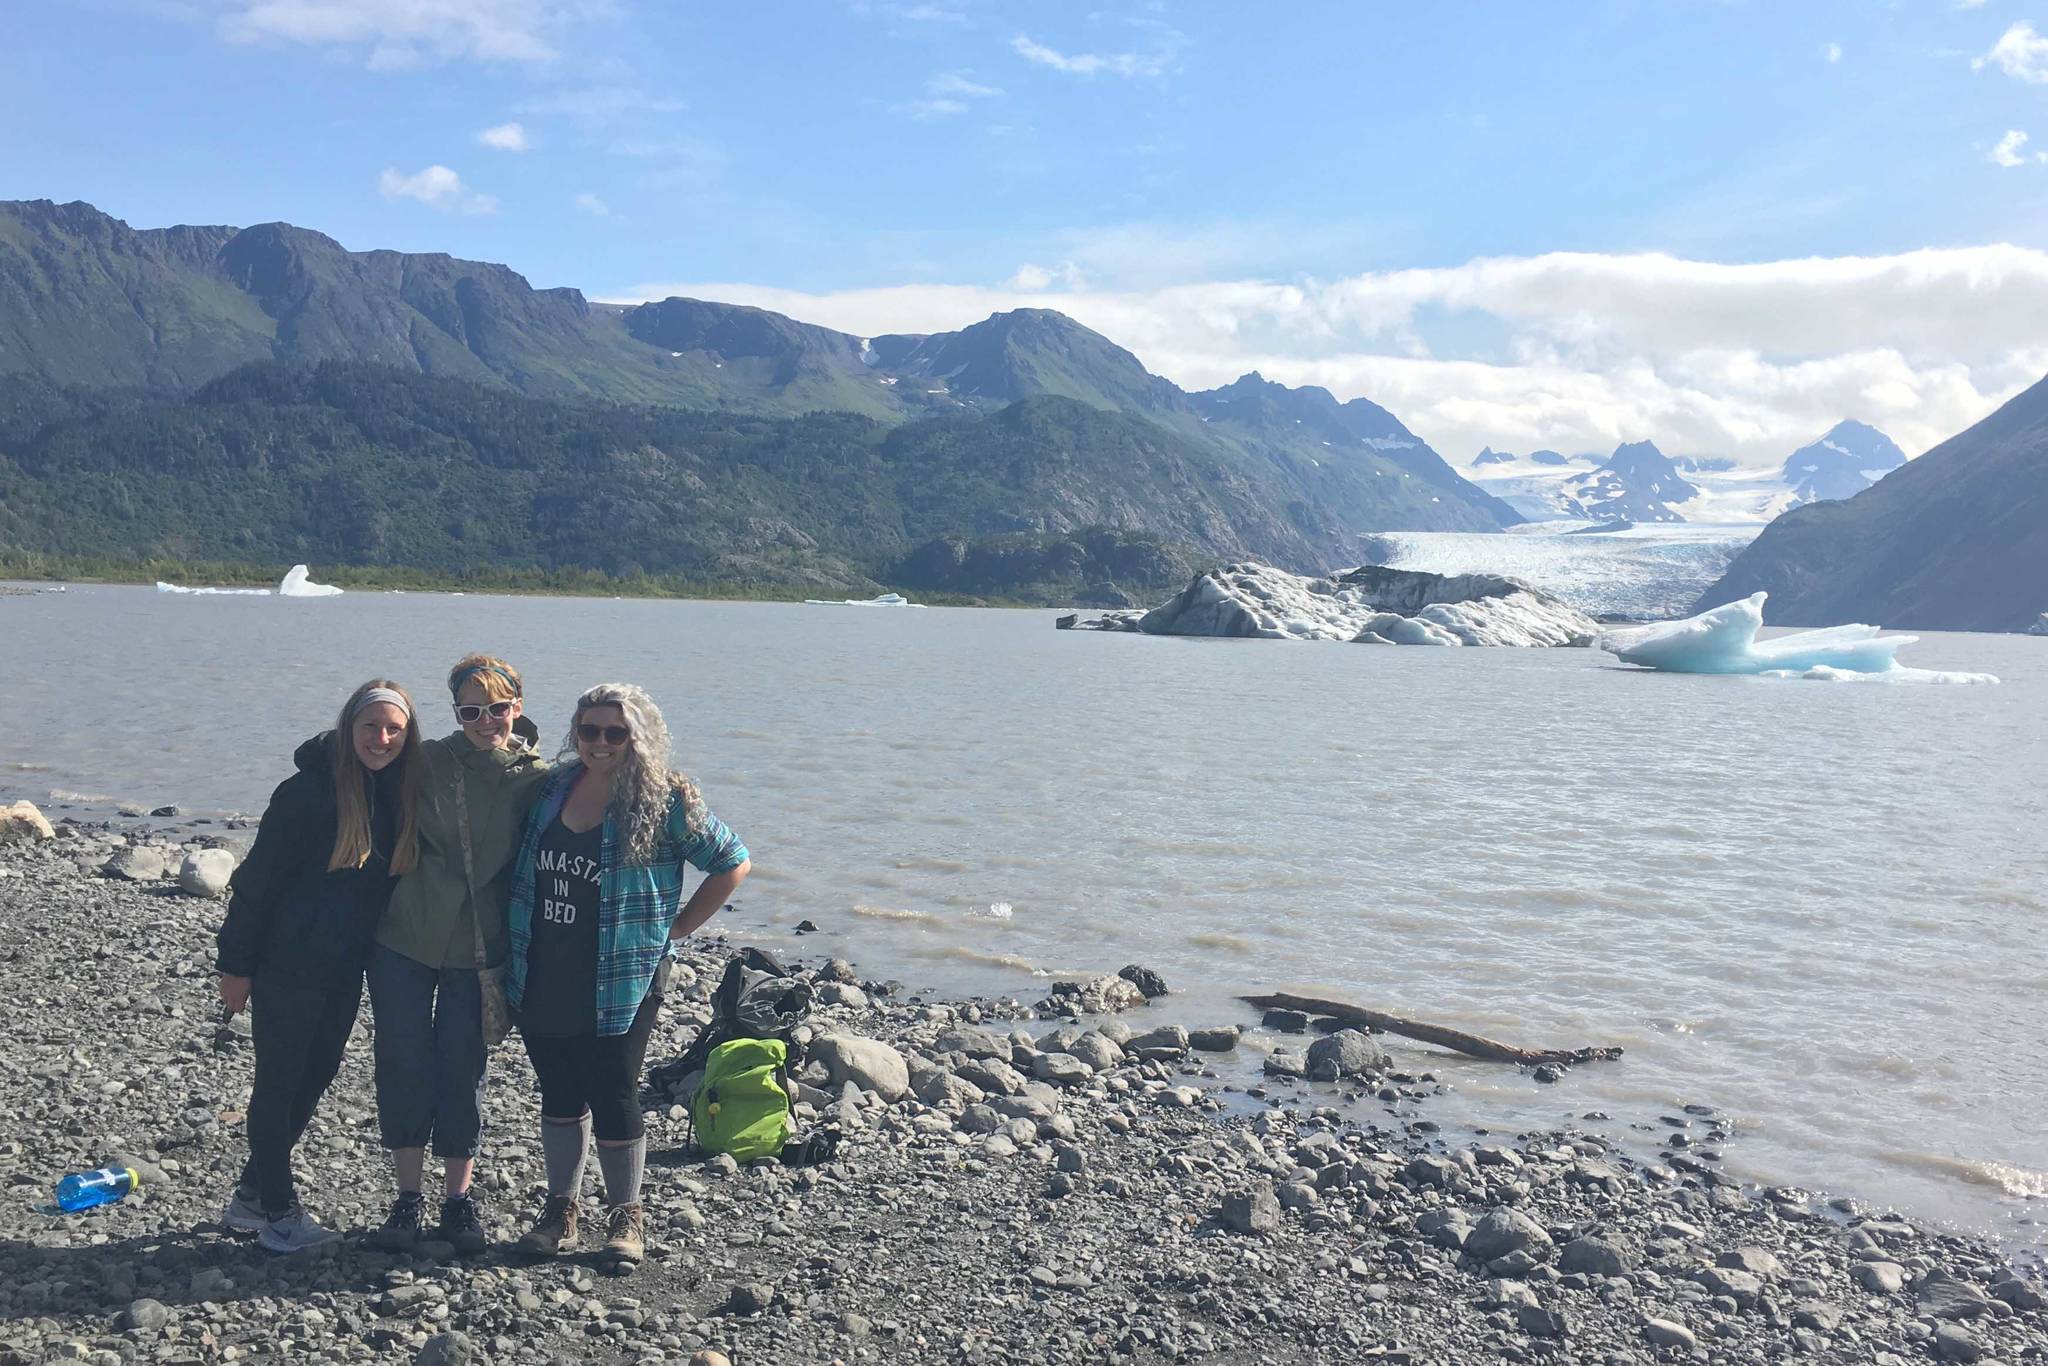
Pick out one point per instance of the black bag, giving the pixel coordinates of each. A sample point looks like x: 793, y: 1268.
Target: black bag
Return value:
x: 757, y: 998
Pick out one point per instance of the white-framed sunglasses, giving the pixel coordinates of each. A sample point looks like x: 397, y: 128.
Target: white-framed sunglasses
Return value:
x: 469, y: 713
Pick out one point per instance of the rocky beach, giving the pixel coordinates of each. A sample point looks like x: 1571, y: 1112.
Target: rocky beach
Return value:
x: 1076, y: 1176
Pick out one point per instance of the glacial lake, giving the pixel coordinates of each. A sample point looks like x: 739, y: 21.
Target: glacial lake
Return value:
x: 1817, y: 907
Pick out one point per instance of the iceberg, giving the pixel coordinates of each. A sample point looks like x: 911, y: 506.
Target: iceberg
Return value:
x: 884, y: 600
x: 297, y: 585
x: 1370, y: 605
x: 163, y: 587
x: 1723, y: 641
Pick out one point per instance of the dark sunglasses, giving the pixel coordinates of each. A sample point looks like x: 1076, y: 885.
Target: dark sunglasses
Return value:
x: 469, y: 713
x: 611, y: 735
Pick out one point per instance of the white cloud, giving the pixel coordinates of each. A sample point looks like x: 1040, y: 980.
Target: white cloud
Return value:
x: 2009, y: 151
x: 1832, y: 52
x: 946, y: 95
x: 400, y: 33
x: 598, y: 106
x: 438, y: 188
x: 1969, y: 4
x: 2020, y: 53
x: 1749, y: 360
x: 590, y: 203
x: 953, y: 83
x: 505, y: 137
x: 1034, y: 279
x: 1130, y: 64
x: 914, y: 14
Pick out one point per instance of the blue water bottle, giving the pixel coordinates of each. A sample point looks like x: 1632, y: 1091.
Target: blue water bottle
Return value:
x: 84, y: 1190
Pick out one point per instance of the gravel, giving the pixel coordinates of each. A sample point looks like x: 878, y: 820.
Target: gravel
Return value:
x: 1125, y: 1203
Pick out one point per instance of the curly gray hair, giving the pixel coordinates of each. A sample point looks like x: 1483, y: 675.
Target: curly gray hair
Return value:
x: 645, y: 783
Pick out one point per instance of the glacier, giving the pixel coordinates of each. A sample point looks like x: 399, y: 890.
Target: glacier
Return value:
x: 1723, y: 641
x: 1643, y: 573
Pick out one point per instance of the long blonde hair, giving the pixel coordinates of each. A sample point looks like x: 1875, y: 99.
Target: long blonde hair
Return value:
x: 352, y: 810
x: 645, y: 784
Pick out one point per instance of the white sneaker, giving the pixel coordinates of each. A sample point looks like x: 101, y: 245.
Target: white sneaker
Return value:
x: 243, y: 1214
x: 295, y: 1232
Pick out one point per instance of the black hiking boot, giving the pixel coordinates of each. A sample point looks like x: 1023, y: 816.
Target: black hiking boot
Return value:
x: 401, y: 1228
x: 462, y: 1227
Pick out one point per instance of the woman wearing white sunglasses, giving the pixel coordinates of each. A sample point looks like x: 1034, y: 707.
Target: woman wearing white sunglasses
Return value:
x: 445, y: 928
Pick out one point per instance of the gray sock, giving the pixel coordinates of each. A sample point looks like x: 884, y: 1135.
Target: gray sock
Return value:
x: 567, y: 1147
x: 622, y: 1165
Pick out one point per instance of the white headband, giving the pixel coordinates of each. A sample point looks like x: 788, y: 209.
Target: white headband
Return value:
x: 376, y: 695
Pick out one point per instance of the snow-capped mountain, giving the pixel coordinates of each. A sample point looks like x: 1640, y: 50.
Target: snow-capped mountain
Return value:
x: 1848, y: 460
x: 1638, y: 483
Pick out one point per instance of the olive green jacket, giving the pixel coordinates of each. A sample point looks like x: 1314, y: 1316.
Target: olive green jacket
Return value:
x: 431, y: 919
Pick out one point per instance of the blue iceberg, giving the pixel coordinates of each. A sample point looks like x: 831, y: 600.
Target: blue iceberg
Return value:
x: 1723, y: 641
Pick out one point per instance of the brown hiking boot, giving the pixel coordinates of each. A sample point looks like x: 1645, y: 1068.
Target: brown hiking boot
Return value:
x: 554, y: 1230
x: 625, y: 1235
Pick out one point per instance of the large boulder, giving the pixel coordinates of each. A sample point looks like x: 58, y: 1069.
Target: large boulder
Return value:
x: 1095, y: 1050
x: 1255, y: 1211
x: 137, y: 863
x: 1103, y: 996
x: 869, y: 1064
x: 205, y: 872
x: 993, y: 1075
x: 1943, y: 1296
x: 21, y: 820
x: 1503, y: 1231
x: 1170, y: 1038
x: 1347, y: 1053
x: 973, y: 1042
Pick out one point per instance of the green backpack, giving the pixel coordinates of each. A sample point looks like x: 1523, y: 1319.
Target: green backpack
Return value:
x: 742, y: 1105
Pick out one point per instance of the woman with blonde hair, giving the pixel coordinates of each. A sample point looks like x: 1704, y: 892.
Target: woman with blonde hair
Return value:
x: 444, y: 932
x: 597, y: 904
x: 305, y: 907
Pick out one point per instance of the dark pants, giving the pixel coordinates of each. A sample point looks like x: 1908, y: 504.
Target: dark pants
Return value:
x: 596, y: 1072
x: 430, y: 1054
x: 300, y: 1030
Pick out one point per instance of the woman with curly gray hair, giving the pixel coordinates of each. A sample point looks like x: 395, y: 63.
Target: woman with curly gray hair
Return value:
x: 597, y: 900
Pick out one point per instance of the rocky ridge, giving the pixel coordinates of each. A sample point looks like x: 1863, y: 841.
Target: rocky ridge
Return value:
x: 1014, y: 1183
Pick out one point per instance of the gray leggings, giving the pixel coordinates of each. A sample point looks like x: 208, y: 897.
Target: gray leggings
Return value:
x: 430, y: 1054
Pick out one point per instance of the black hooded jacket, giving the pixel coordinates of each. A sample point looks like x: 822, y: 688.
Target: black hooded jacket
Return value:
x: 290, y: 916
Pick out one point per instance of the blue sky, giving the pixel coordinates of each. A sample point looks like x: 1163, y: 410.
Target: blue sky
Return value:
x: 910, y: 164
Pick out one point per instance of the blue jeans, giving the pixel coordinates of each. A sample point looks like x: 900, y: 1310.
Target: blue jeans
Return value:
x: 430, y: 1054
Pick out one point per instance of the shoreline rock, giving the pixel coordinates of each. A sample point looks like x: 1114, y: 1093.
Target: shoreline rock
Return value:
x: 1140, y: 1205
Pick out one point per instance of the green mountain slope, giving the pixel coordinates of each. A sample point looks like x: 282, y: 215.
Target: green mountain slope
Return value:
x: 1954, y: 541
x: 1355, y: 458
x: 86, y: 300
x: 1030, y: 351
x: 87, y: 303
x: 369, y: 465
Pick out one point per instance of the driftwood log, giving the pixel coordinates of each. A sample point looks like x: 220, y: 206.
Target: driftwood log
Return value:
x: 1457, y: 1040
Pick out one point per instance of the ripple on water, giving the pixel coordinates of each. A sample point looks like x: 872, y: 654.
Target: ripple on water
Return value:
x: 932, y: 865
x: 989, y: 958
x: 899, y: 915
x: 2004, y: 1177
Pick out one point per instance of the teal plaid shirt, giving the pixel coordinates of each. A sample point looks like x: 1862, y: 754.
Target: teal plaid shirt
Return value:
x: 636, y: 902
